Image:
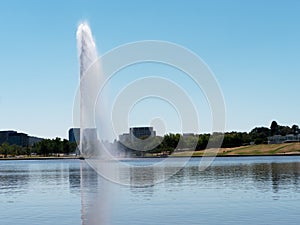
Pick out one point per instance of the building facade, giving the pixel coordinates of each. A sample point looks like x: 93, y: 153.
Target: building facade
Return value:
x: 4, y: 135
x: 74, y: 135
x: 14, y: 138
x: 142, y: 132
x: 19, y: 139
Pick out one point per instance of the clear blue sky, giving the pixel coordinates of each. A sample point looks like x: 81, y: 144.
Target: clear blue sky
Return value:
x: 253, y: 48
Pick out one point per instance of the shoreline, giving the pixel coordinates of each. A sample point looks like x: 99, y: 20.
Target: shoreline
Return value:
x: 171, y: 156
x: 39, y: 158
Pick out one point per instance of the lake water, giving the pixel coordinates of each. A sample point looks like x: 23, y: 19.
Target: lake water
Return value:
x: 237, y: 190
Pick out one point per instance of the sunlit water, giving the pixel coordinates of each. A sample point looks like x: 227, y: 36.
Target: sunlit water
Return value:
x: 241, y: 190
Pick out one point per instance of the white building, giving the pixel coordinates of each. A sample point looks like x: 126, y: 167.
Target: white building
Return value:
x: 279, y: 139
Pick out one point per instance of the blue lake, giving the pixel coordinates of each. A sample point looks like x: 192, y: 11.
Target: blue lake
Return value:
x: 235, y: 190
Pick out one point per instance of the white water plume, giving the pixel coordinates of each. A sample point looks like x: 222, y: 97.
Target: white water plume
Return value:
x: 95, y: 203
x: 89, y: 85
x: 86, y: 46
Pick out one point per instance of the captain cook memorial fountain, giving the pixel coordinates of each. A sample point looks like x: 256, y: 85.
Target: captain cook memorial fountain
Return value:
x: 102, y: 117
x: 137, y: 84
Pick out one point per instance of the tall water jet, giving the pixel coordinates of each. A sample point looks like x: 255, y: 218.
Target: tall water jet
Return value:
x: 89, y: 86
x: 86, y: 47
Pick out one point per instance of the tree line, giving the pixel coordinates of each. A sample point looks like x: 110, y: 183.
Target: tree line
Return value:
x: 46, y: 147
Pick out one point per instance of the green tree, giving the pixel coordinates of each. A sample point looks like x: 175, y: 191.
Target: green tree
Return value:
x: 57, y: 146
x: 6, y: 149
x: 66, y: 147
x: 170, y: 143
x: 202, y: 141
x: 284, y: 130
x: 235, y: 139
x: 259, y: 135
x: 274, y: 128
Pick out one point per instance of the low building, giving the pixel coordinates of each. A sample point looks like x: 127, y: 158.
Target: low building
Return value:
x: 12, y: 137
x: 137, y: 132
x: 279, y: 139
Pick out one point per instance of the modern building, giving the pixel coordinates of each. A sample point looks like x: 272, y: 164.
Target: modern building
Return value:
x: 88, y: 133
x: 74, y: 135
x: 19, y: 139
x: 4, y: 135
x: 14, y: 138
x: 87, y: 140
x: 137, y: 132
x: 142, y: 132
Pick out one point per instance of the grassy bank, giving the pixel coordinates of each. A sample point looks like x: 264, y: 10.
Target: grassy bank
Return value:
x: 251, y: 150
x: 259, y: 150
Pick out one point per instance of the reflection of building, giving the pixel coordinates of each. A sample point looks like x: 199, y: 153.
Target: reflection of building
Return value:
x: 14, y: 138
x: 279, y: 139
x: 74, y: 135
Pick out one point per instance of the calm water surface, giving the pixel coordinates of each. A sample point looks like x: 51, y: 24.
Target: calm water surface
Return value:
x: 241, y: 190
